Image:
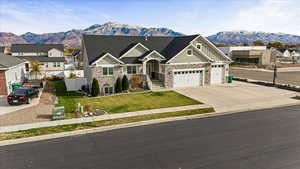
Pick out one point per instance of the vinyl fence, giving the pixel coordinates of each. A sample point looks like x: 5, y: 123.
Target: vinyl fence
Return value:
x: 75, y: 84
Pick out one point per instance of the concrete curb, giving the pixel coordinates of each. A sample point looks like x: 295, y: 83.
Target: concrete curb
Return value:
x: 128, y: 125
x: 19, y: 127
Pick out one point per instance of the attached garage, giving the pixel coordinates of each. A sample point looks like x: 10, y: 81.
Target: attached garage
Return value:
x: 188, y: 77
x: 217, y: 74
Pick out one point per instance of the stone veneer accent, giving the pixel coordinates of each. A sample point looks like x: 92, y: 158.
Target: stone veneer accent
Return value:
x: 168, y: 69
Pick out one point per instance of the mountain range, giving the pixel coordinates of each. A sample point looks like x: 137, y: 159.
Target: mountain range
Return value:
x: 72, y: 38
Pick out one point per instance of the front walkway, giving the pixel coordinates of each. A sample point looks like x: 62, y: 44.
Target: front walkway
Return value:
x: 241, y: 96
x: 98, y: 118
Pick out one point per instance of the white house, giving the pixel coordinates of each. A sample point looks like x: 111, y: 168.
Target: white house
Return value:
x: 51, y: 56
x: 12, y: 70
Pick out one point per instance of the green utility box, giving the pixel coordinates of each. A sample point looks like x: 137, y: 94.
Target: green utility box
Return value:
x: 58, y: 113
x: 230, y: 79
x: 16, y: 85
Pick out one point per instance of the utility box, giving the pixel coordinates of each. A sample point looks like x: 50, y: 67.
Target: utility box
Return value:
x: 230, y: 79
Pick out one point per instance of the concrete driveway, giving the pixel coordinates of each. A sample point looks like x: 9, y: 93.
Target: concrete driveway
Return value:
x: 6, y: 108
x: 240, y: 96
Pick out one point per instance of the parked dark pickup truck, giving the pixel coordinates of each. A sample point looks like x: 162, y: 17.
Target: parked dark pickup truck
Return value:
x: 22, y: 95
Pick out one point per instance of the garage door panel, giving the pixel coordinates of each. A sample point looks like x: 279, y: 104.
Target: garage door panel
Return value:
x: 187, y: 78
x: 217, y: 74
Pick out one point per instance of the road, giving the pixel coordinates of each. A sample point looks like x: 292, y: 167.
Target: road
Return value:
x: 282, y: 77
x: 249, y: 140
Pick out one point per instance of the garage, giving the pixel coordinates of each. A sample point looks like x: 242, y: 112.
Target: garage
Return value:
x: 217, y: 74
x: 188, y: 78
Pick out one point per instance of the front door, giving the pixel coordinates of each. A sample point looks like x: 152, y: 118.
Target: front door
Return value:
x: 152, y: 69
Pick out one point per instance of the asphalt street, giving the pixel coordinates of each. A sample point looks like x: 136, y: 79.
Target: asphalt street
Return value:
x: 282, y: 77
x: 266, y: 139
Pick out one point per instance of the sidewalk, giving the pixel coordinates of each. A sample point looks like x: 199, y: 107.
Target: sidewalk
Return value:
x: 98, y: 118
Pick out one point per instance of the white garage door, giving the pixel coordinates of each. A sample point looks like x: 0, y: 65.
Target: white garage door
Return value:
x: 187, y: 78
x: 217, y: 74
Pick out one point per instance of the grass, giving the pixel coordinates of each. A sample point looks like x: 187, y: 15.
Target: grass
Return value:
x: 122, y: 103
x: 87, y: 125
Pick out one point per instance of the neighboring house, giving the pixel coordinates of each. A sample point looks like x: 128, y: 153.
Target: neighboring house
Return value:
x: 12, y: 70
x: 167, y: 61
x: 51, y: 56
x: 228, y: 50
x: 2, y: 49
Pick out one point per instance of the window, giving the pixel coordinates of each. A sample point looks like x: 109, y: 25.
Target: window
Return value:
x: 199, y: 46
x: 131, y: 69
x: 108, y: 90
x: 58, y: 64
x: 107, y: 71
x: 189, y: 52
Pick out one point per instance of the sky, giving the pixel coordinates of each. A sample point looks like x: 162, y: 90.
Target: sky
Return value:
x: 204, y: 17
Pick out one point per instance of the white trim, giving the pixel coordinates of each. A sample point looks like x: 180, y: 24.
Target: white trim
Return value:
x: 107, y: 54
x: 107, y: 65
x: 134, y: 48
x: 187, y: 52
x: 200, y: 46
x: 154, y: 51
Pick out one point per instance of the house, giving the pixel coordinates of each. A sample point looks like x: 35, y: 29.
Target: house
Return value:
x: 50, y: 56
x: 12, y: 70
x: 170, y: 62
x: 251, y: 55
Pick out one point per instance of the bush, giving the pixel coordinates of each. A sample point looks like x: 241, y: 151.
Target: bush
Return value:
x: 118, y: 85
x: 125, y: 83
x: 95, y: 88
x: 137, y: 81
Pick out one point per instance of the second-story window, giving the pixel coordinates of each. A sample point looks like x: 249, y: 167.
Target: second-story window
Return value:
x: 108, y: 71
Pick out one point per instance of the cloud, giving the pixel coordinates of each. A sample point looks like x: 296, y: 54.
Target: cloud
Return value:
x: 269, y: 16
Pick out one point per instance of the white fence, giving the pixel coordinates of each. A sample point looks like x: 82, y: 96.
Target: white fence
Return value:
x: 75, y: 84
x: 78, y: 73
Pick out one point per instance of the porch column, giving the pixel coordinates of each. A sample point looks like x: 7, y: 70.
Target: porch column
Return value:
x: 145, y: 67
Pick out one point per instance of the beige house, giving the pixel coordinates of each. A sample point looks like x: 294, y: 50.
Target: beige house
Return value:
x: 165, y: 62
x: 256, y: 57
x: 50, y: 56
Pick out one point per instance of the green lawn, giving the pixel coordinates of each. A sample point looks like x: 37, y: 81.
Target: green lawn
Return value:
x: 87, y: 125
x: 123, y: 103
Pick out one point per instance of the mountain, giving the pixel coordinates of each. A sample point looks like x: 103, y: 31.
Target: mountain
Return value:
x: 8, y: 38
x: 241, y: 37
x: 72, y: 38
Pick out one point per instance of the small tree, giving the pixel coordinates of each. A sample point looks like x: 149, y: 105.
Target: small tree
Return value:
x: 35, y: 67
x: 125, y: 83
x: 118, y: 85
x: 95, y: 88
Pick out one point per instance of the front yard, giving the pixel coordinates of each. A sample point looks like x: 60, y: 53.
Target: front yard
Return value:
x: 121, y: 103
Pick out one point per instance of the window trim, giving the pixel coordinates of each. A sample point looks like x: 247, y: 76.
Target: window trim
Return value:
x: 131, y: 73
x: 187, y: 52
x: 200, y: 46
x: 108, y: 71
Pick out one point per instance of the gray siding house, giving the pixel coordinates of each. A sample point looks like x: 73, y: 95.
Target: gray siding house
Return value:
x: 168, y: 62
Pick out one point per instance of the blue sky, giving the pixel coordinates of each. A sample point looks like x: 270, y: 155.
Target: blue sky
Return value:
x: 187, y: 16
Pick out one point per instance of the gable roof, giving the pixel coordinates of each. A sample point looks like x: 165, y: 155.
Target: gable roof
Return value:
x: 7, y: 61
x: 97, y: 45
x: 36, y: 47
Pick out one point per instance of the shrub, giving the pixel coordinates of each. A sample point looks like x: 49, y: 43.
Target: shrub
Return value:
x: 137, y: 81
x: 95, y: 88
x: 118, y: 85
x: 125, y: 83
x: 72, y: 76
